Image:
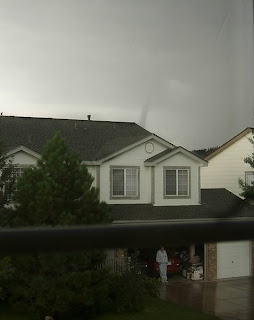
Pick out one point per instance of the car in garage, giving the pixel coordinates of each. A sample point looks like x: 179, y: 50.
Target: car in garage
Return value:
x: 173, y: 266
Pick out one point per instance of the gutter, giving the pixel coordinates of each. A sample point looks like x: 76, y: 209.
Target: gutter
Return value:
x: 179, y: 221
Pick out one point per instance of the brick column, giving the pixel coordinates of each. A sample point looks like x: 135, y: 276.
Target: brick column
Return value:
x: 211, y: 268
x: 252, y: 258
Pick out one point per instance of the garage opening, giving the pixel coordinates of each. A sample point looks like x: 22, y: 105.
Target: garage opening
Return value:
x: 183, y: 262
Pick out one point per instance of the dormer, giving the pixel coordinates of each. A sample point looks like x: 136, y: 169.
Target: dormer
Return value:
x: 175, y: 177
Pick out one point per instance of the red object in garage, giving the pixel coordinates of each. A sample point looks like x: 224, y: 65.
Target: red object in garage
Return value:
x: 173, y: 266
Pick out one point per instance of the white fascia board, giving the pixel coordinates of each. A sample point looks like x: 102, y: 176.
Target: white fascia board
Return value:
x: 24, y: 149
x: 174, y: 152
x: 115, y: 154
x: 174, y: 221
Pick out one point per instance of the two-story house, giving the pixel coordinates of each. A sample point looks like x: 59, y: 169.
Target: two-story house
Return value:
x: 226, y: 166
x: 145, y: 178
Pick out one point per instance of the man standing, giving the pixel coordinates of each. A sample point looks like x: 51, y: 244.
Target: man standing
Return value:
x: 162, y: 259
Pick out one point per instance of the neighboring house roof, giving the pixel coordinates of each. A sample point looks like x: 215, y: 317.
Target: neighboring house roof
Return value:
x: 93, y: 140
x: 204, y: 153
x: 169, y: 153
x: 24, y: 149
x: 216, y: 203
x: 230, y: 142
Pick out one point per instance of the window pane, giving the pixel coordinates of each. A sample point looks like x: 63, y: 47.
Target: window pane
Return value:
x: 182, y: 182
x: 249, y: 178
x: 131, y: 182
x: 118, y: 182
x: 18, y: 171
x: 170, y: 182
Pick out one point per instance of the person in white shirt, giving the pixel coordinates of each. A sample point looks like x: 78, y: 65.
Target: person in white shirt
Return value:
x: 162, y: 259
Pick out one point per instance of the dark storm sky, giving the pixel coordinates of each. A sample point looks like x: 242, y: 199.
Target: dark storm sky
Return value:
x: 181, y: 68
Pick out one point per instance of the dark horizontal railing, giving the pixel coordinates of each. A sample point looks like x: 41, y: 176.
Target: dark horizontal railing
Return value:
x: 122, y: 236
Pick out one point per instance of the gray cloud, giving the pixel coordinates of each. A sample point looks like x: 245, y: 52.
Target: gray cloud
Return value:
x: 187, y: 63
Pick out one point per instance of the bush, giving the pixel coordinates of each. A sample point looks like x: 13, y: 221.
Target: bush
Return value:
x: 57, y: 191
x: 65, y: 286
x: 152, y: 286
x: 131, y: 290
x: 6, y: 275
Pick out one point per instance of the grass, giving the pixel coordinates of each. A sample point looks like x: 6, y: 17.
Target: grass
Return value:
x: 159, y: 309
x: 156, y: 309
x: 7, y: 314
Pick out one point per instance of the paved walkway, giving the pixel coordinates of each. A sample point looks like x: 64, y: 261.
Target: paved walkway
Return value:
x: 228, y: 299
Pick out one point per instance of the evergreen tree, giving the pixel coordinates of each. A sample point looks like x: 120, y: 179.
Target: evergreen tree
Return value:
x: 58, y: 191
x: 7, y: 185
x: 7, y: 178
x: 248, y: 189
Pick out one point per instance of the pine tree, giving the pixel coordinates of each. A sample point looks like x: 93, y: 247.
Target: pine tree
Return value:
x: 248, y: 189
x: 58, y: 191
x: 7, y: 185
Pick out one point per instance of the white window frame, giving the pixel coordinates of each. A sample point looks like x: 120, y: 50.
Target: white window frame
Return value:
x: 18, y: 171
x: 249, y: 173
x: 177, y: 195
x: 124, y: 196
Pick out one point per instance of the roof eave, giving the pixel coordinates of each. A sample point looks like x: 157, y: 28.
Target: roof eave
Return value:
x: 229, y: 143
x: 174, y: 152
x: 172, y: 221
x: 133, y: 145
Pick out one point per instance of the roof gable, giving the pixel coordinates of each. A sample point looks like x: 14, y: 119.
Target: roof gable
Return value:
x: 230, y: 142
x: 138, y: 143
x: 25, y: 150
x: 153, y: 161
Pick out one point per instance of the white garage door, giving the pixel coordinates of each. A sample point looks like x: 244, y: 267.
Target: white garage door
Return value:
x: 233, y: 259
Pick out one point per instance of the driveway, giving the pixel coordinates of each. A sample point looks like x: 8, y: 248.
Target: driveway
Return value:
x: 228, y: 299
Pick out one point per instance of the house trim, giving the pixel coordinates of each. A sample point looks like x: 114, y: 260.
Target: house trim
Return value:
x: 98, y: 178
x: 152, y: 185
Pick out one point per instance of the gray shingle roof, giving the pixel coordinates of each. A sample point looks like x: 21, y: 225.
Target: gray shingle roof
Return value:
x: 168, y: 151
x: 93, y: 140
x: 216, y: 203
x: 159, y: 155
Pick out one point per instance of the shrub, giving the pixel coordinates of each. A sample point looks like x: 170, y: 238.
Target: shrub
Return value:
x: 130, y: 291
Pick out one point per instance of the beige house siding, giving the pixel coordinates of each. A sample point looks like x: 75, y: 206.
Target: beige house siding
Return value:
x: 225, y: 168
x: 132, y: 158
x: 179, y: 160
x: 22, y: 158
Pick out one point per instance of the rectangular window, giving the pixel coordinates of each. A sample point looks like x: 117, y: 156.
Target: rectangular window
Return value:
x: 125, y: 182
x: 17, y: 172
x: 176, y: 182
x: 249, y: 177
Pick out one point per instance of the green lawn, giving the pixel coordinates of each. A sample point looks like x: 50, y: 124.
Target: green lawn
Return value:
x: 159, y: 309
x: 7, y: 314
x: 156, y: 309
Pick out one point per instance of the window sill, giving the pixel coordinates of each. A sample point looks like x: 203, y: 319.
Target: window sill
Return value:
x: 176, y: 197
x: 124, y: 198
